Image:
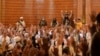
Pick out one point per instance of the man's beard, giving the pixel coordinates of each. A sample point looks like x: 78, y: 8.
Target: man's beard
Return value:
x: 21, y: 20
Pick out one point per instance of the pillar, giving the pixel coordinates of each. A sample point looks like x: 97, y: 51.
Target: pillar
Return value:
x: 0, y: 11
x: 79, y: 9
x: 88, y: 11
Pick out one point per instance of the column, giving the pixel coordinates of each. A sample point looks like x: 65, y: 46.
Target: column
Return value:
x: 0, y: 10
x: 3, y: 11
x: 79, y: 9
x: 88, y: 11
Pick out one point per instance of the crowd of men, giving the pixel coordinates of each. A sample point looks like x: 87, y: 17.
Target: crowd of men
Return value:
x: 70, y: 38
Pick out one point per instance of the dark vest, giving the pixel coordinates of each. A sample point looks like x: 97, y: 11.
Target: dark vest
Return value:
x: 95, y: 46
x: 54, y: 23
x: 66, y: 20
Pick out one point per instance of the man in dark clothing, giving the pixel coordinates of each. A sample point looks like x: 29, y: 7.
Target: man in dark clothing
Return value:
x: 43, y: 22
x: 66, y: 19
x: 54, y: 22
x: 95, y: 45
x: 65, y: 15
x: 93, y: 20
x: 93, y: 29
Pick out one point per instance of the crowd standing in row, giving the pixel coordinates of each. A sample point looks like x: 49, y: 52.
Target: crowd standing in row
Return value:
x: 70, y: 38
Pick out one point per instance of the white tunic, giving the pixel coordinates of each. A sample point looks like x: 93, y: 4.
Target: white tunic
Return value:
x: 52, y: 42
x: 65, y: 43
x: 1, y: 37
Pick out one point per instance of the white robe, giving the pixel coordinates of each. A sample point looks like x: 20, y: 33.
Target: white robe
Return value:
x: 60, y: 50
x: 1, y: 37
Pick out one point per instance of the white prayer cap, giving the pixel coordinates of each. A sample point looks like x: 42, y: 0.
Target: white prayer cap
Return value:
x: 21, y: 17
x: 17, y: 38
x: 81, y: 35
x: 43, y: 18
x: 26, y: 34
x: 11, y: 46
